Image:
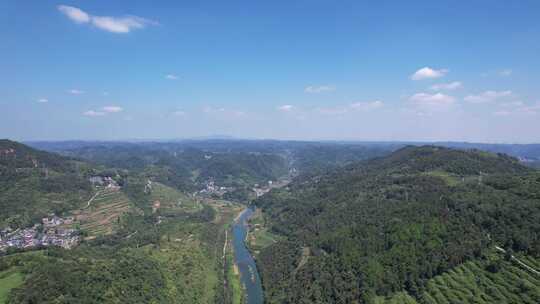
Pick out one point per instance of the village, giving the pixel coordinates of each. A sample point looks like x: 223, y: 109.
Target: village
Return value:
x: 53, y: 231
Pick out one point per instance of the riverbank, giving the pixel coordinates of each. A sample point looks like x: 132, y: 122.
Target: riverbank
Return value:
x: 244, y: 260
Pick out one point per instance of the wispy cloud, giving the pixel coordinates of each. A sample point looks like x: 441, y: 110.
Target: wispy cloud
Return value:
x: 505, y: 73
x: 517, y: 108
x: 75, y: 14
x: 487, y: 96
x: 319, y: 89
x: 428, y: 73
x: 75, y: 92
x: 353, y: 107
x: 179, y: 113
x: 285, y: 108
x: 43, y: 100
x: 93, y: 113
x: 171, y: 77
x: 112, y: 109
x: 366, y: 106
x: 447, y: 86
x: 103, y: 111
x: 426, y: 99
x: 119, y: 25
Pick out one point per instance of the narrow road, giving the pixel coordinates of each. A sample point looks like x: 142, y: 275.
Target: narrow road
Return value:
x: 519, y: 262
x: 92, y: 198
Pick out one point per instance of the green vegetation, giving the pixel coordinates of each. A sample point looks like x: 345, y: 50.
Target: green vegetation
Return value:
x: 233, y: 279
x: 176, y: 261
x: 187, y: 168
x: 259, y: 236
x: 34, y: 183
x: 391, y: 224
x: 103, y: 214
x: 145, y: 241
x: 9, y: 279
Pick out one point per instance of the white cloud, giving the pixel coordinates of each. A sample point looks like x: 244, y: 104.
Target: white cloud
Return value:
x: 428, y: 73
x: 505, y: 73
x: 103, y: 111
x: 93, y: 113
x: 122, y: 24
x: 43, y: 100
x: 75, y: 14
x: 75, y: 92
x: 285, y: 108
x: 426, y: 99
x: 366, y: 106
x: 319, y: 89
x: 518, y: 107
x: 179, y: 113
x: 111, y: 24
x: 105, y: 93
x: 447, y: 86
x: 112, y: 109
x: 171, y: 77
x: 487, y: 96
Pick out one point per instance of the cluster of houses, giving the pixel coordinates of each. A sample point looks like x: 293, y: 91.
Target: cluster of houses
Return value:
x: 106, y: 181
x: 51, y: 232
x: 211, y: 189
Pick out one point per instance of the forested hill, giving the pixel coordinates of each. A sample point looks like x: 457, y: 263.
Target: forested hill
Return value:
x: 390, y: 224
x: 186, y: 167
x: 413, y: 159
x: 34, y: 183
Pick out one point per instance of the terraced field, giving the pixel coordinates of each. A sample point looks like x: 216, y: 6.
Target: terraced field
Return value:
x: 102, y: 215
x: 472, y: 282
x: 170, y: 200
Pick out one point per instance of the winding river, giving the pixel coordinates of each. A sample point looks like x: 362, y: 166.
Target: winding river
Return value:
x: 249, y: 275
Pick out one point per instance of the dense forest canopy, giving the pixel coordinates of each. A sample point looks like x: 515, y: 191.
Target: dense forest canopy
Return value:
x: 391, y: 224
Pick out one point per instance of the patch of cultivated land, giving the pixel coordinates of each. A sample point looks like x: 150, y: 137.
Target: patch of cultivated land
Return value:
x: 9, y: 279
x: 169, y: 200
x: 483, y: 281
x: 102, y: 215
x: 191, y: 256
x: 259, y: 236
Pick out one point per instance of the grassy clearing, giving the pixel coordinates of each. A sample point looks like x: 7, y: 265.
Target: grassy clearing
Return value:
x: 171, y: 200
x: 9, y: 279
x: 233, y: 279
x: 450, y: 179
x: 259, y: 236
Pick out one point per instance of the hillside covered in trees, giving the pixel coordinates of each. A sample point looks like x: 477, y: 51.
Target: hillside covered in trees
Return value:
x: 34, y: 183
x: 390, y: 225
x: 186, y: 167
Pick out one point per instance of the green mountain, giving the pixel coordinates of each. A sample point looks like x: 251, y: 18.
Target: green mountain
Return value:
x: 34, y: 183
x: 388, y: 226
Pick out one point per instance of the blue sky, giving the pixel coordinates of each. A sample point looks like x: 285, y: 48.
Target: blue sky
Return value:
x: 318, y: 69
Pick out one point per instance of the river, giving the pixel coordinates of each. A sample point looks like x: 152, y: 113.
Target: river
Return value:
x: 249, y: 276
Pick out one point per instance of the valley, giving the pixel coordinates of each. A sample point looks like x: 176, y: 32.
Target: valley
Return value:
x: 417, y: 225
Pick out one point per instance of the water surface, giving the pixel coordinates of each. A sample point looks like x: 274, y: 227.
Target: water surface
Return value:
x: 249, y: 275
